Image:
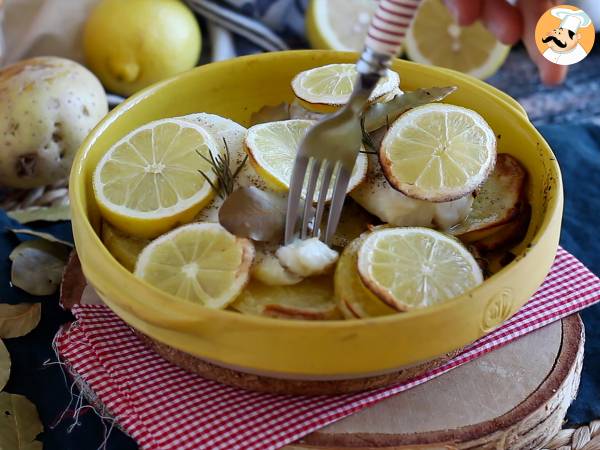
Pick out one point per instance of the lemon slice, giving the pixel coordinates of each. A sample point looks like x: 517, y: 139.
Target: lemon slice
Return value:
x: 438, y: 152
x: 199, y: 262
x: 339, y: 24
x: 272, y: 148
x: 149, y: 181
x: 350, y: 292
x: 124, y: 248
x: 333, y: 84
x: 435, y: 38
x: 311, y: 299
x: 412, y: 268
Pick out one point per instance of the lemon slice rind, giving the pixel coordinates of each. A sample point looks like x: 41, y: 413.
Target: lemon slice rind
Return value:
x: 316, y: 85
x: 163, y: 257
x: 410, y: 268
x: 323, y: 32
x: 482, y: 53
x: 150, y: 223
x: 424, y: 141
x: 272, y: 148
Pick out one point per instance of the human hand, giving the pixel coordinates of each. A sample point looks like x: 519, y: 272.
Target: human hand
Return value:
x: 510, y: 24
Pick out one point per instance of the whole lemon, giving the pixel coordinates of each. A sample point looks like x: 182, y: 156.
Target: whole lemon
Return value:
x: 132, y: 44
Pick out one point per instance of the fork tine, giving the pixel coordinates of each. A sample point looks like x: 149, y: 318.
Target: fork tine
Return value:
x: 337, y: 202
x: 327, y: 171
x: 315, y: 168
x: 296, y: 182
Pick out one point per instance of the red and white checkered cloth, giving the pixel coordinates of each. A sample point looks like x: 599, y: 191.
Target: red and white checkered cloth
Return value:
x: 166, y: 408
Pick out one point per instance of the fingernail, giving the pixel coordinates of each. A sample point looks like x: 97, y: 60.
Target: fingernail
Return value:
x: 552, y: 75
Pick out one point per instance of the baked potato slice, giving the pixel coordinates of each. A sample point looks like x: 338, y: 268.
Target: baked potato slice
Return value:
x: 310, y: 299
x: 498, y: 201
x: 508, y: 234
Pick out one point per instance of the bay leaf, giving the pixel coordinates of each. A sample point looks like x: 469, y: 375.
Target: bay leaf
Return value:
x: 39, y: 234
x: 45, y: 213
x: 19, y: 423
x: 18, y: 320
x: 271, y: 114
x: 251, y: 213
x: 38, y: 265
x: 4, y: 365
x: 380, y: 114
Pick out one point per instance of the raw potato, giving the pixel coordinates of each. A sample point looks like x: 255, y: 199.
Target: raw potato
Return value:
x: 498, y: 201
x: 47, y: 107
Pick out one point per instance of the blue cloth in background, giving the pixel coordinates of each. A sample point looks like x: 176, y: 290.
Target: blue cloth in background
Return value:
x: 577, y: 148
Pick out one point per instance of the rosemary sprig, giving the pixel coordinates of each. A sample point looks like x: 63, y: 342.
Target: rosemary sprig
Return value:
x: 220, y: 165
x: 367, y: 140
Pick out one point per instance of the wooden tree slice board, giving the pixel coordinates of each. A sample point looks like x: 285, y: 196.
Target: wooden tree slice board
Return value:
x: 515, y: 397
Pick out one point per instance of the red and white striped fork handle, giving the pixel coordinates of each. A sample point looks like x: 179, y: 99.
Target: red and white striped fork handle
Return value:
x: 389, y: 25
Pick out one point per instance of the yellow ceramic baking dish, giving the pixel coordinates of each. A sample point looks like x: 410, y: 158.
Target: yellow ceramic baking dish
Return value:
x: 300, y: 349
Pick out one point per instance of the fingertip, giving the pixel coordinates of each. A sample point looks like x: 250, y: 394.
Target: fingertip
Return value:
x: 503, y: 20
x: 510, y: 32
x: 552, y: 74
x: 466, y: 12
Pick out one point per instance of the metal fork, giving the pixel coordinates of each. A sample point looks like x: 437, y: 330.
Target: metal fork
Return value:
x: 331, y: 146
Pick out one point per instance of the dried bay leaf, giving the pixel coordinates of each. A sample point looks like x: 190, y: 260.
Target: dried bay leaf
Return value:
x: 4, y: 365
x: 19, y: 423
x: 39, y: 234
x: 18, y: 320
x: 380, y: 114
x: 251, y: 213
x: 271, y: 114
x: 44, y: 213
x: 37, y: 266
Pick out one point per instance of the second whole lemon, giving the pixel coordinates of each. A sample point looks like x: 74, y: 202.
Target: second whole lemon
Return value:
x: 133, y: 44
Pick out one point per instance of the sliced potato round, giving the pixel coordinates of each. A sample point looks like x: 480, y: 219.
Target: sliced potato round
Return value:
x: 506, y: 234
x: 354, y: 299
x: 498, y: 201
x: 311, y: 299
